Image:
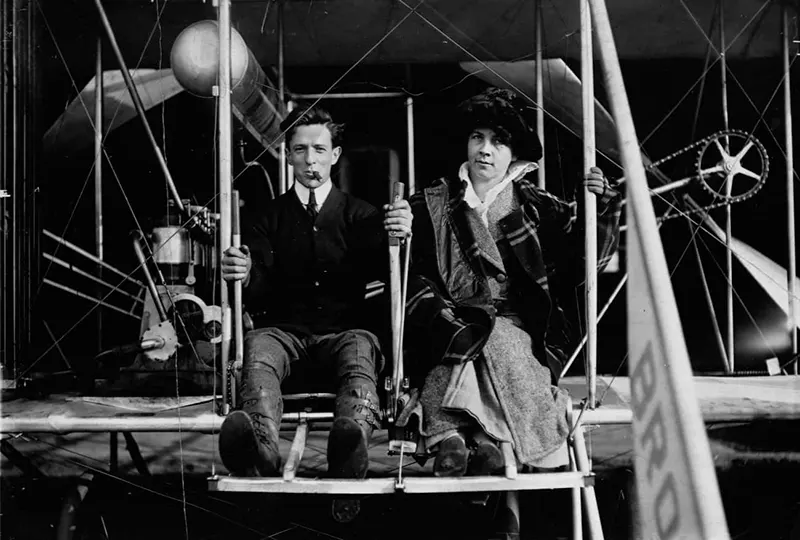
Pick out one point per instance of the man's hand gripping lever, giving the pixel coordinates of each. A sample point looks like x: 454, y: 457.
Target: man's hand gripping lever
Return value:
x: 398, y: 224
x: 236, y: 265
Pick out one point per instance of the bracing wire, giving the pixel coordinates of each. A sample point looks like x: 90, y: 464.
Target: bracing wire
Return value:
x: 145, y: 489
x: 86, y: 110
x: 175, y: 314
x: 341, y: 77
x: 127, y: 201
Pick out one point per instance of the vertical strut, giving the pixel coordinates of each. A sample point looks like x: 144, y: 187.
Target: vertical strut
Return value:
x: 225, y: 154
x: 99, y: 90
x: 539, y: 90
x: 787, y: 105
x: 283, y: 179
x: 590, y: 202
x: 728, y: 189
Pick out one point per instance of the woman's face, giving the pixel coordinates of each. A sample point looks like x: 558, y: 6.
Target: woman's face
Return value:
x: 488, y: 156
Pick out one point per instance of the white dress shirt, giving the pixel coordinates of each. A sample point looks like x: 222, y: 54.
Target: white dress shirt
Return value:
x: 321, y: 193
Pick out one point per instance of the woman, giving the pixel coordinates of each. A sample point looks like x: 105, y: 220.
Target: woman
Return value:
x: 481, y: 316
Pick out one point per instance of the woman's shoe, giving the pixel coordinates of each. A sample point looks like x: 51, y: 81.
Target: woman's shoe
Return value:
x: 486, y: 459
x: 451, y: 460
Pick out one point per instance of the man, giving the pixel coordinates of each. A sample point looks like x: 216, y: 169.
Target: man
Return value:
x: 305, y: 265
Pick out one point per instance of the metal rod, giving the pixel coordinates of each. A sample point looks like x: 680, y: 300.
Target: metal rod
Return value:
x: 537, y: 17
x: 87, y: 297
x: 707, y: 292
x: 353, y: 95
x: 16, y: 134
x: 151, y: 285
x: 729, y: 273
x: 411, y: 146
x: 723, y: 62
x: 225, y: 154
x: 283, y: 177
x: 87, y: 275
x: 137, y: 102
x: 787, y: 113
x: 677, y: 184
x: 281, y: 57
x: 590, y: 201
x: 98, y: 150
x: 91, y: 257
x: 98, y: 176
x: 728, y: 189
x: 600, y: 315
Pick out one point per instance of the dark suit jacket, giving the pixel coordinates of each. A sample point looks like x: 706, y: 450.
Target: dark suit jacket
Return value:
x: 311, y: 278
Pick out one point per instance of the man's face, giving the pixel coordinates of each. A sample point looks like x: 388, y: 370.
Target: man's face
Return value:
x: 488, y: 156
x: 312, y: 154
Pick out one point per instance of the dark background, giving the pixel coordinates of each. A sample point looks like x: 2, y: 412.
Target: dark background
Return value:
x: 185, y: 129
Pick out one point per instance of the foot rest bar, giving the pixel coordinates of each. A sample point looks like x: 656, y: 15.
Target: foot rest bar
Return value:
x: 377, y: 486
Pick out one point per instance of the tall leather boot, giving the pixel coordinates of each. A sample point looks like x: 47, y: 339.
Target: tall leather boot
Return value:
x: 248, y: 439
x: 357, y: 414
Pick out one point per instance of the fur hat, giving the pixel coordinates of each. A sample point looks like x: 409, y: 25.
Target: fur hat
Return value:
x: 508, y: 115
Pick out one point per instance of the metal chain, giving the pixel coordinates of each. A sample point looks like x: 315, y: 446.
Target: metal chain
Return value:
x: 684, y: 150
x: 703, y: 209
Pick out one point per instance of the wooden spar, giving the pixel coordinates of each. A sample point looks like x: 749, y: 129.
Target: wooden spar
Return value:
x: 590, y: 201
x: 542, y: 177
x: 787, y: 113
x: 137, y: 102
x: 225, y: 154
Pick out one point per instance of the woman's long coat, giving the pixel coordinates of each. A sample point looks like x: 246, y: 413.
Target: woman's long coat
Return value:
x: 450, y: 310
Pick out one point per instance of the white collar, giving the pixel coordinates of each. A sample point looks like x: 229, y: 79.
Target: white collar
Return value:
x: 516, y: 170
x: 321, y: 193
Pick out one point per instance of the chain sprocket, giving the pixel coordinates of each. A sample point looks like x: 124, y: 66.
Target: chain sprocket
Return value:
x: 730, y: 154
x: 708, y: 169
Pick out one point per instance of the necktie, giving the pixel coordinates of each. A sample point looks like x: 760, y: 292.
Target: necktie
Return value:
x: 312, y: 206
